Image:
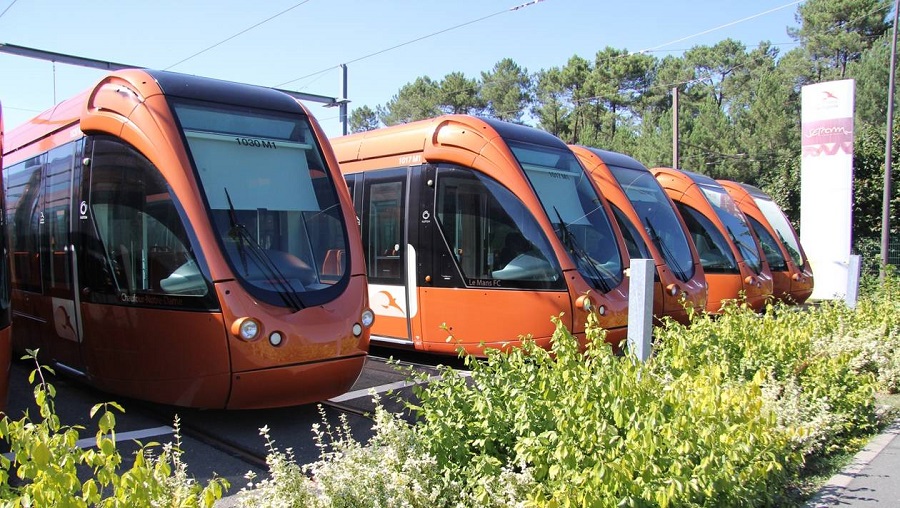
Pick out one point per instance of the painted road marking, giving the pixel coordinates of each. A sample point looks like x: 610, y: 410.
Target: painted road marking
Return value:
x: 367, y: 392
x: 120, y: 436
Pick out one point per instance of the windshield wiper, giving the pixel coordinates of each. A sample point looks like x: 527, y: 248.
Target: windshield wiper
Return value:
x: 239, y: 232
x: 233, y: 232
x: 572, y: 244
x: 666, y: 252
x: 740, y: 243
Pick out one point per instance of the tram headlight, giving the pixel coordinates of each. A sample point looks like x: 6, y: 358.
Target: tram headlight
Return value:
x: 246, y: 328
x: 367, y: 318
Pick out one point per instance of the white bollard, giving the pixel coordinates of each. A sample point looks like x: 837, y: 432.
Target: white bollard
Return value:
x: 853, y: 271
x: 640, y: 307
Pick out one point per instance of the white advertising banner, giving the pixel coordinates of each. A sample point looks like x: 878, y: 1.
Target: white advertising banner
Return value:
x: 826, y: 184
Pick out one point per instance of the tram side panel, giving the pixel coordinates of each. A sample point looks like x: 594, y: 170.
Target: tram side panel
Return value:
x: 417, y: 290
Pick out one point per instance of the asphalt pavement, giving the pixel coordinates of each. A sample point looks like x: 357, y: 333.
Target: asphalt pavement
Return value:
x: 872, y: 479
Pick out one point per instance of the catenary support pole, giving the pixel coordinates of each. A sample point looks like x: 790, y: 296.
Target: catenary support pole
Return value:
x: 343, y: 100
x: 675, y: 127
x: 889, y: 139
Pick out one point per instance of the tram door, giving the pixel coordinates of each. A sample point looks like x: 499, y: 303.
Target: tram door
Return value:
x: 381, y: 200
x: 64, y: 330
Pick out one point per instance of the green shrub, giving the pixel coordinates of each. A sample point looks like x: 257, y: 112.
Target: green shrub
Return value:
x: 595, y: 429
x: 47, y: 466
x: 811, y: 383
x: 724, y: 414
x: 873, y: 330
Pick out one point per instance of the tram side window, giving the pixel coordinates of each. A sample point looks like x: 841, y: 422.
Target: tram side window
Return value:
x: 23, y: 183
x: 5, y: 282
x: 57, y: 206
x: 491, y: 235
x: 143, y: 246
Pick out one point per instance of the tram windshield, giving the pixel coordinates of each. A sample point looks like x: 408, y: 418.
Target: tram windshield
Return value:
x: 715, y: 255
x: 575, y: 209
x: 735, y: 224
x: 658, y: 218
x: 782, y: 227
x: 271, y: 199
x: 634, y: 242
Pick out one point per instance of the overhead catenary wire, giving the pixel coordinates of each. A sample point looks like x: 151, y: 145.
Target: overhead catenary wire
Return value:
x: 726, y: 25
x: 417, y: 39
x: 624, y: 54
x: 235, y: 35
x: 8, y: 7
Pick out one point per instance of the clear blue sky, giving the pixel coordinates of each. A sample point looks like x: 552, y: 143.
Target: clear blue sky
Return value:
x: 300, y: 39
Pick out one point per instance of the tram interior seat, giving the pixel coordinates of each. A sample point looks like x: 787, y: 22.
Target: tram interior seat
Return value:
x: 333, y: 265
x: 710, y: 257
x: 513, y: 245
x: 162, y: 262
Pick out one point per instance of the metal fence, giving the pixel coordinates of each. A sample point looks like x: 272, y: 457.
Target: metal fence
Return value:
x: 893, y: 254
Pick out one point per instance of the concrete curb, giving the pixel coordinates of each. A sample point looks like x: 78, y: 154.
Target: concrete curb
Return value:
x: 830, y: 493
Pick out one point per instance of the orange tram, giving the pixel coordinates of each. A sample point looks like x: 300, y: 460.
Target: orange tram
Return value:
x: 5, y: 313
x: 652, y: 229
x: 477, y: 231
x: 791, y: 271
x: 186, y: 241
x: 728, y: 248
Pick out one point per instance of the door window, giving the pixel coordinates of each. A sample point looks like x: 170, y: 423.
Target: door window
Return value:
x: 57, y: 208
x: 385, y: 255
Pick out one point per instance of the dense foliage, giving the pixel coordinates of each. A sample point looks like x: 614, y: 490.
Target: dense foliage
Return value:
x: 45, y: 468
x: 727, y: 412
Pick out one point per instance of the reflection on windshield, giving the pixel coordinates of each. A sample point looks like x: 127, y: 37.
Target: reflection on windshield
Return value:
x: 715, y: 255
x: 737, y: 228
x: 782, y: 227
x: 576, y: 210
x: 659, y: 219
x: 769, y: 246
